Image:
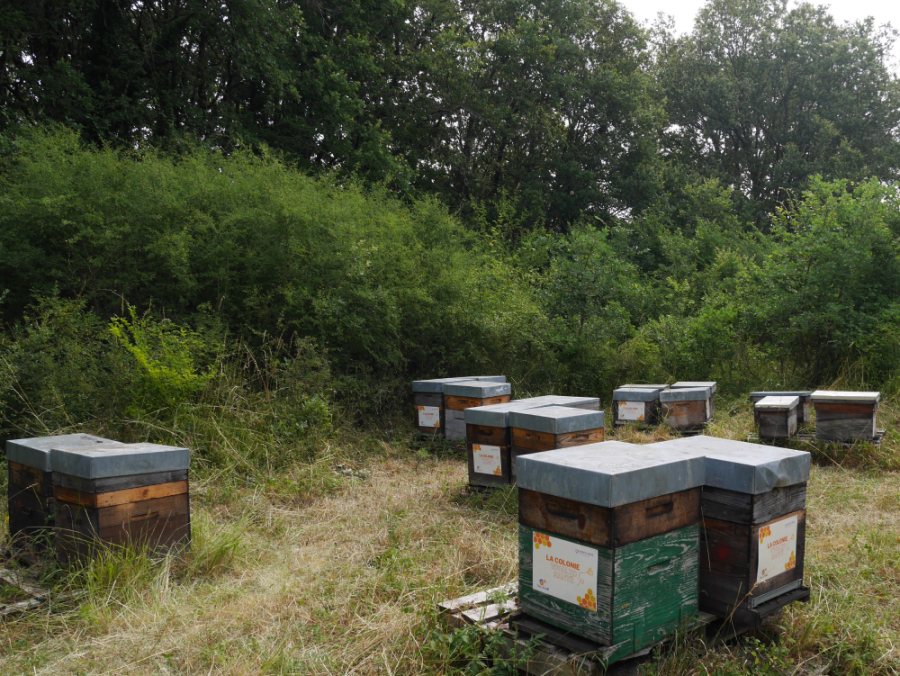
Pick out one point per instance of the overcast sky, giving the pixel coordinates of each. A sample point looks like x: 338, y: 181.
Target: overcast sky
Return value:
x: 684, y: 11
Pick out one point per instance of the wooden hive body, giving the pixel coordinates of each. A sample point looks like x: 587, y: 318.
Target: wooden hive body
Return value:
x: 428, y: 402
x: 552, y: 427
x: 461, y: 395
x: 488, y: 435
x: 711, y: 384
x: 749, y: 488
x: 777, y: 417
x: 804, y: 410
x: 643, y: 539
x: 637, y: 405
x: 133, y: 494
x: 687, y: 408
x: 845, y: 416
x: 31, y: 505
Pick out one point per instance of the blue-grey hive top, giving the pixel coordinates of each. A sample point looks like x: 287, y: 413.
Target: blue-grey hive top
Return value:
x: 636, y: 394
x: 36, y: 452
x: 835, y: 397
x: 785, y: 393
x: 742, y: 467
x: 681, y: 384
x: 476, y: 388
x: 611, y: 473
x: 685, y: 394
x: 110, y: 460
x: 650, y: 387
x: 556, y: 419
x: 497, y: 415
x: 436, y: 385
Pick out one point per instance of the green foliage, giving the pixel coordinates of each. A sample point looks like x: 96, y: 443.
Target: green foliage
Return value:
x: 471, y: 651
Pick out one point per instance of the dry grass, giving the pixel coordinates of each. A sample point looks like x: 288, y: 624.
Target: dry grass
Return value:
x: 344, y: 583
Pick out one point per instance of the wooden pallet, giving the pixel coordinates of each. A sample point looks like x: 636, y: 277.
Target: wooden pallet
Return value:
x: 37, y: 596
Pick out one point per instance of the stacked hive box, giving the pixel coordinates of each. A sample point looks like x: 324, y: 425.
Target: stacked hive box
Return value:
x: 609, y: 541
x: 551, y: 427
x: 776, y: 417
x: 463, y: 394
x: 120, y: 494
x: 638, y: 404
x: 845, y: 416
x: 803, y: 410
x: 428, y: 398
x: 754, y: 526
x: 30, y: 486
x: 711, y: 384
x: 686, y: 408
x: 488, y: 435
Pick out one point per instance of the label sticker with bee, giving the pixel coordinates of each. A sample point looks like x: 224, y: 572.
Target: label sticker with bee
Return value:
x: 565, y: 570
x: 777, y: 548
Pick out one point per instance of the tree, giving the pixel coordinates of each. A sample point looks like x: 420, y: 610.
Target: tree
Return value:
x: 763, y: 98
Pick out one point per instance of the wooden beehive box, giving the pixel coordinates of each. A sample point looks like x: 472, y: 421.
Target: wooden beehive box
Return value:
x: 30, y: 487
x: 428, y: 401
x: 637, y: 405
x: 463, y: 394
x: 776, y: 417
x: 845, y: 416
x: 119, y: 495
x: 551, y: 427
x: 803, y: 410
x: 753, y: 537
x: 711, y: 384
x: 686, y: 408
x: 488, y: 435
x: 609, y: 540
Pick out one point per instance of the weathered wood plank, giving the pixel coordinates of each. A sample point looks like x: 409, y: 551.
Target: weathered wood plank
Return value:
x: 127, y: 496
x: 117, y: 483
x: 745, y: 508
x: 687, y: 414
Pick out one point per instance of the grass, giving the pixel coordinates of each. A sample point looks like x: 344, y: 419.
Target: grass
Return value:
x: 334, y: 567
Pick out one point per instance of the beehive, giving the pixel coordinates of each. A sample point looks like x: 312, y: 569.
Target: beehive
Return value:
x: 488, y: 435
x: 30, y: 486
x: 463, y: 394
x: 711, y: 384
x: 609, y: 540
x: 777, y: 417
x: 551, y: 427
x: 753, y: 497
x: 845, y: 416
x: 686, y: 408
x: 803, y: 410
x: 637, y: 404
x: 428, y: 400
x: 120, y: 494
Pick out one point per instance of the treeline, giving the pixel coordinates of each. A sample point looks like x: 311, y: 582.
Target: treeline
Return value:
x: 207, y: 209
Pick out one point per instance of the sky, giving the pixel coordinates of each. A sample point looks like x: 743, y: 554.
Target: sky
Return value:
x: 684, y: 11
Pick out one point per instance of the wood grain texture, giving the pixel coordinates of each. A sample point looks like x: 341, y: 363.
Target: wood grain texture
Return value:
x: 30, y: 503
x: 545, y: 441
x: 117, y: 483
x: 777, y: 424
x: 483, y: 434
x: 126, y: 496
x: 744, y: 508
x: 606, y: 527
x: 453, y: 403
x: 684, y: 415
x: 644, y: 590
x: 849, y: 429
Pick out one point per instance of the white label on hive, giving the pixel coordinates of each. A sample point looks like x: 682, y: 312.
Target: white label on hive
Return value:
x: 777, y: 548
x: 707, y: 409
x: 565, y: 570
x: 486, y: 459
x: 631, y: 410
x: 429, y: 416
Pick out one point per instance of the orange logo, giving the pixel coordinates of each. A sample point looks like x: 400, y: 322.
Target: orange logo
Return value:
x: 541, y: 539
x: 588, y: 601
x: 791, y: 562
x: 764, y: 532
x: 498, y: 472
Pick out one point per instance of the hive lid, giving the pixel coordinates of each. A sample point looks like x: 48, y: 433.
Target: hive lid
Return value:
x: 742, y: 467
x: 682, y: 384
x: 771, y: 403
x: 636, y: 394
x: 436, y: 385
x: 36, y: 452
x: 556, y: 419
x: 496, y: 415
x: 109, y: 460
x: 476, y: 389
x: 686, y: 394
x: 786, y: 393
x: 651, y: 387
x: 588, y: 403
x: 835, y: 397
x: 611, y: 473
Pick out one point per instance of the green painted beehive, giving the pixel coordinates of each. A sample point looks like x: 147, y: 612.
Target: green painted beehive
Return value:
x: 609, y: 541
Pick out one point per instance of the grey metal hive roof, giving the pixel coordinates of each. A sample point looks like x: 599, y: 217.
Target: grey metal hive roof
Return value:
x: 436, y: 385
x: 652, y: 387
x: 109, y: 460
x: 743, y: 467
x: 685, y: 394
x: 784, y: 393
x: 496, y: 415
x: 611, y: 473
x: 771, y: 403
x: 835, y: 397
x: 556, y: 419
x: 35, y: 452
x: 681, y: 384
x: 476, y: 388
x: 636, y: 394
